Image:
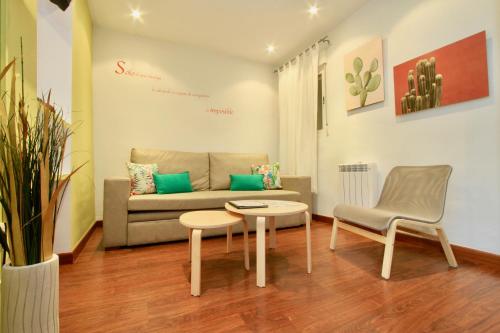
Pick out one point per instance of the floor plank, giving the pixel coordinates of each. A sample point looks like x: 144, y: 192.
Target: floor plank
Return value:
x: 146, y: 289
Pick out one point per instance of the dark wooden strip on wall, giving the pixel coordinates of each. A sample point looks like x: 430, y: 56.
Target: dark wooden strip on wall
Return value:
x: 67, y: 258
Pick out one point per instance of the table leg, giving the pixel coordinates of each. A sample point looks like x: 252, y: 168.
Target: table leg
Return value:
x: 245, y: 244
x: 308, y: 235
x: 190, y: 232
x: 229, y: 238
x: 272, y: 232
x: 261, y: 252
x: 196, y: 262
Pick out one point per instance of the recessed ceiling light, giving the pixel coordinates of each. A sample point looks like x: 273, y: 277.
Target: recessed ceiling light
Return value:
x: 136, y: 14
x: 313, y: 10
x: 271, y: 48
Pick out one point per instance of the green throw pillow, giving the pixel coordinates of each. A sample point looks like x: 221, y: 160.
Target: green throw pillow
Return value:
x: 247, y: 182
x: 172, y: 183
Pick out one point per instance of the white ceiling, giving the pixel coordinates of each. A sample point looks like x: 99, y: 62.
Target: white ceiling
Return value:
x: 241, y: 28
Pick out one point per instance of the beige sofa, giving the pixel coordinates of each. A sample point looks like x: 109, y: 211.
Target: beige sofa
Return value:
x: 152, y: 218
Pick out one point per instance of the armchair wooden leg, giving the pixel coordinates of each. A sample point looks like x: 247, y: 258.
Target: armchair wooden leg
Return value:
x: 335, y: 228
x: 448, y: 252
x: 389, y: 250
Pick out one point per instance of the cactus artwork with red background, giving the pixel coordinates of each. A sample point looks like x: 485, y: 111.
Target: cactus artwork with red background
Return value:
x: 452, y: 74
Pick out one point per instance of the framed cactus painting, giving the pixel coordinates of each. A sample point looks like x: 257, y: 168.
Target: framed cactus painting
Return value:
x: 364, y: 75
x: 455, y: 73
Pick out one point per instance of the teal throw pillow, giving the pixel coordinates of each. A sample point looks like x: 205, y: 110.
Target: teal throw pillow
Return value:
x: 247, y: 182
x: 172, y: 183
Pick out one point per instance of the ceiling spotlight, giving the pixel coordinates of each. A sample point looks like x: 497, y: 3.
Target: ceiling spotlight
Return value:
x: 270, y: 48
x: 313, y: 10
x: 136, y: 14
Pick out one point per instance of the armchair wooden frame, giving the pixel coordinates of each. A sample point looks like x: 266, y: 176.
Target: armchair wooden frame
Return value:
x: 413, y: 196
x: 401, y: 226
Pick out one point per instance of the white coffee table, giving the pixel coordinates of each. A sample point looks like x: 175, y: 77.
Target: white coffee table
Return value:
x: 275, y: 208
x: 209, y: 219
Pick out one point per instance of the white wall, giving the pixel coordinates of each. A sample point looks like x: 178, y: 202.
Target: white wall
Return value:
x: 128, y: 113
x: 463, y: 135
x: 54, y: 74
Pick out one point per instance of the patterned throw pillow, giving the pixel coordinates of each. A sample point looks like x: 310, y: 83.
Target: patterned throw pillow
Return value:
x: 271, y: 174
x: 141, y: 178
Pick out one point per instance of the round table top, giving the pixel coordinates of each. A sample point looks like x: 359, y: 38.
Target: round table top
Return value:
x: 275, y: 208
x: 208, y: 219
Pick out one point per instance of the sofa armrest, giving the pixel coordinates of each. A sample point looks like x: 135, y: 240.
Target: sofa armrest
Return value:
x: 301, y: 184
x: 115, y: 211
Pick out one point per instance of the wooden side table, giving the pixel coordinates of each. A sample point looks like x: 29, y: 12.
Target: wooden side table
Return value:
x: 275, y: 208
x: 206, y: 219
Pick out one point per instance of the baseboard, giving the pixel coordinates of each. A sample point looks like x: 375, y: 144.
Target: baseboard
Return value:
x: 67, y: 258
x: 322, y: 218
x: 461, y: 252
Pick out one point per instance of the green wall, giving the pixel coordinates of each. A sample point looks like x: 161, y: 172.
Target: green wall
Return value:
x: 20, y: 21
x: 2, y: 36
x: 82, y: 184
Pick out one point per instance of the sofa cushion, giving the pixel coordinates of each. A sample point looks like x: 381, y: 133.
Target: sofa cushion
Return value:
x: 175, y: 162
x: 224, y: 164
x: 271, y: 173
x: 141, y: 178
x: 202, y: 199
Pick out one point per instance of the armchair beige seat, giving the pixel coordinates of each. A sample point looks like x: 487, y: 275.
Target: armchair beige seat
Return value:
x: 413, y: 196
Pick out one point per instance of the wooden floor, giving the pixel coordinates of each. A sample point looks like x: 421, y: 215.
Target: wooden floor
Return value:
x: 146, y: 289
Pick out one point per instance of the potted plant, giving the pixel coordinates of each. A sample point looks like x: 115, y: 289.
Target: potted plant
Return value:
x: 32, y: 148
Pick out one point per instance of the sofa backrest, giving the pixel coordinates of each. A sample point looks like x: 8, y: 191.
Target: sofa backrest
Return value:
x: 176, y: 161
x: 224, y: 164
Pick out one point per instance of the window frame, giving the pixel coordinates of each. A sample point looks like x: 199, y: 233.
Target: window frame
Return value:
x: 320, y: 126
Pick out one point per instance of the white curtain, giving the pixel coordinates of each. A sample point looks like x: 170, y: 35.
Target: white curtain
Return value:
x: 298, y: 104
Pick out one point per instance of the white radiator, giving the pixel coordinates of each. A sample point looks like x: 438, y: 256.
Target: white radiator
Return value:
x: 358, y: 184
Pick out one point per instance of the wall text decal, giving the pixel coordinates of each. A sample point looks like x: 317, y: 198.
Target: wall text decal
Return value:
x: 122, y: 70
x: 179, y: 93
x: 221, y: 111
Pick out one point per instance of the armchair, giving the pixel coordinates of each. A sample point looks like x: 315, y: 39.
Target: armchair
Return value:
x: 411, y: 197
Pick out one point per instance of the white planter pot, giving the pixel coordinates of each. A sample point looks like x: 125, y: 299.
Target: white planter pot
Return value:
x: 30, y: 297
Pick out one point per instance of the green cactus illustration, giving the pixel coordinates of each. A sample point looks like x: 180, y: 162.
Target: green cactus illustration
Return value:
x: 424, y: 88
x: 362, y: 86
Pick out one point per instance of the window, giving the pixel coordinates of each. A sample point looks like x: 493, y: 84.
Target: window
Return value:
x: 321, y: 112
